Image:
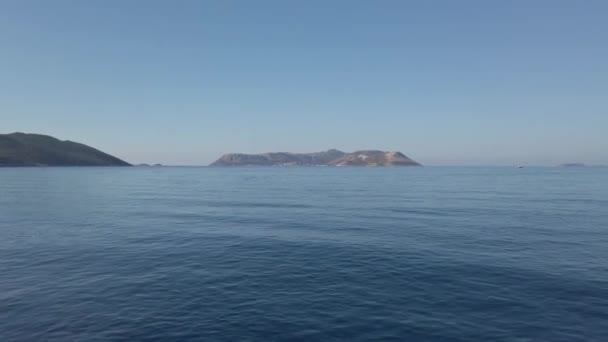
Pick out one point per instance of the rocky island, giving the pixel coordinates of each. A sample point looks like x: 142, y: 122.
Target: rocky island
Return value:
x: 21, y: 149
x: 327, y: 158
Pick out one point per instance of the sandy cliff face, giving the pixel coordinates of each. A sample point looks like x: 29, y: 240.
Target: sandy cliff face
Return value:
x: 374, y: 158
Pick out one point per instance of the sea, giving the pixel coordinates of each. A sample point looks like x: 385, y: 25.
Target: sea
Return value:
x: 304, y: 254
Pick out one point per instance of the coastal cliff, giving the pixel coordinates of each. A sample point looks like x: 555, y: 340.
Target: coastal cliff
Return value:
x: 374, y: 158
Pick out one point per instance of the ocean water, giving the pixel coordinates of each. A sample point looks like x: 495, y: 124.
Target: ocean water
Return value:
x: 304, y: 254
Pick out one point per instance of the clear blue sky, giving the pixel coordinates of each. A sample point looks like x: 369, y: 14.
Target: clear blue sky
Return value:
x: 181, y: 82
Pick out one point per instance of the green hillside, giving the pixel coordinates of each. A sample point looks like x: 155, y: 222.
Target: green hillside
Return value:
x: 20, y: 149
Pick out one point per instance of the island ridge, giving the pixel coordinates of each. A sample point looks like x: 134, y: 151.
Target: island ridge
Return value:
x: 328, y: 158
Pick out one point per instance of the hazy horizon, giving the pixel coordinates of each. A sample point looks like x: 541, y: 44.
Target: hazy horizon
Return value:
x: 446, y: 83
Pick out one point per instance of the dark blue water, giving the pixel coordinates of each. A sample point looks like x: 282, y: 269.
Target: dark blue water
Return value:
x: 303, y: 254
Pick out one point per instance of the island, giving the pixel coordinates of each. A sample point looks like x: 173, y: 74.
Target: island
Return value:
x: 21, y: 149
x: 331, y: 157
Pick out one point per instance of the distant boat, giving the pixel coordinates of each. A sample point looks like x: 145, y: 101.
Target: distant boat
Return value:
x: 520, y: 167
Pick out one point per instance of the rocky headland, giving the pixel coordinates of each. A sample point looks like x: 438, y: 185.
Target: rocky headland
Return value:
x: 21, y: 149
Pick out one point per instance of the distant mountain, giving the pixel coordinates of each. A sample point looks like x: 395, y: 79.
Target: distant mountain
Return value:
x: 327, y: 158
x: 20, y: 149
